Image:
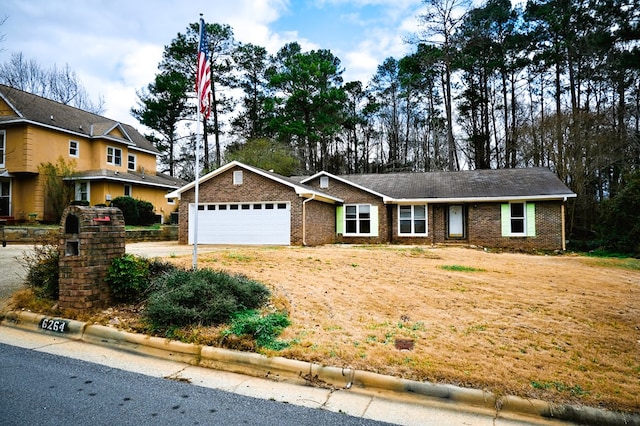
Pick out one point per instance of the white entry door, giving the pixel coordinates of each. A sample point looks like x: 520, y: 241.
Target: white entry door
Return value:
x: 242, y: 223
x: 456, y: 221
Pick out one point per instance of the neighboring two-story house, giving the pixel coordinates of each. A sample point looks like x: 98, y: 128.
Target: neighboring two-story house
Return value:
x: 110, y: 158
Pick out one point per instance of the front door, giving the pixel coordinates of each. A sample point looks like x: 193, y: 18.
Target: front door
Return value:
x: 456, y: 221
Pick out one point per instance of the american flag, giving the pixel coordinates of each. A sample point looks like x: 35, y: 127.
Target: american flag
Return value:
x: 203, y: 76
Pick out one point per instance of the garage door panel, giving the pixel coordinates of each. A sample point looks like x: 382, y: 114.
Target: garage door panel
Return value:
x: 242, y: 226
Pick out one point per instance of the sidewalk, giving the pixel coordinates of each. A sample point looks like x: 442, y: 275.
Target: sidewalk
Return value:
x: 392, y: 407
x: 357, y: 393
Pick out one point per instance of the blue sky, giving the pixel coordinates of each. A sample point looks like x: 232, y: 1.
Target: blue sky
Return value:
x: 114, y: 46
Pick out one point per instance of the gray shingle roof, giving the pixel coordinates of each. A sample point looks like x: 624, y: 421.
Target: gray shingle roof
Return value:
x: 158, y: 179
x: 538, y: 182
x: 49, y: 113
x: 501, y: 183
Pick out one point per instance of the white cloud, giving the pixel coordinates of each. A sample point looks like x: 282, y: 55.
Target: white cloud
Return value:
x: 115, y: 46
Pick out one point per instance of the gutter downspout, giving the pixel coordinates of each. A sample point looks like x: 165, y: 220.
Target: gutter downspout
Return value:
x: 304, y: 219
x: 564, y: 240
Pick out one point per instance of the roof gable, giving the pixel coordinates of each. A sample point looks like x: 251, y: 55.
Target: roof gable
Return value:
x: 343, y: 180
x: 300, y: 189
x: 26, y: 107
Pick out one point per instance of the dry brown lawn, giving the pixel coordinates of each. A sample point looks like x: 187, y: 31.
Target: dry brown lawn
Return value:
x: 561, y: 328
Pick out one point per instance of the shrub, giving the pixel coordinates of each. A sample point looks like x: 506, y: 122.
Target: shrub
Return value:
x: 202, y: 297
x: 43, y: 270
x: 146, y: 216
x: 264, y: 329
x: 129, y: 277
x: 129, y: 208
x: 620, y: 223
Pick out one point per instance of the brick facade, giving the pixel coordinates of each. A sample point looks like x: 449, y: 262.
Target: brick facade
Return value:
x: 320, y: 217
x: 485, y: 229
x: 91, y: 237
x: 353, y: 195
x: 314, y: 222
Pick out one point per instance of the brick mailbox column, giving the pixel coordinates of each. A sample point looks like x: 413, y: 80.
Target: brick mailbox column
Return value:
x: 91, y: 238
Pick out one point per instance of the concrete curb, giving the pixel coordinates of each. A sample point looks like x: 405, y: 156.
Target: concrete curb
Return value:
x: 279, y: 368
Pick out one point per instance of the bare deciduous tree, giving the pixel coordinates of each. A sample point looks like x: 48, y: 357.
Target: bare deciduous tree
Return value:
x: 59, y: 84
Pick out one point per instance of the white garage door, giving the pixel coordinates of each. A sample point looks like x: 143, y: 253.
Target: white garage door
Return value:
x: 242, y: 223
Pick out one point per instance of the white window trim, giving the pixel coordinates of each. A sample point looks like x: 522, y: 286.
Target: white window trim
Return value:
x: 371, y: 221
x: 113, y: 155
x: 135, y: 161
x: 124, y: 190
x: 413, y: 233
x: 237, y: 177
x: 324, y: 182
x: 77, y: 148
x: 3, y: 148
x: 78, y: 194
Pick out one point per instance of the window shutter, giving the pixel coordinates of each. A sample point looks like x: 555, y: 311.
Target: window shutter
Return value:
x: 374, y: 221
x: 340, y: 220
x: 505, y: 218
x: 531, y: 220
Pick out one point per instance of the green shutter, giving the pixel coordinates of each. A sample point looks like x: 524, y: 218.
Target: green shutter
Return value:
x: 505, y: 218
x: 340, y: 219
x: 531, y: 220
x: 374, y: 221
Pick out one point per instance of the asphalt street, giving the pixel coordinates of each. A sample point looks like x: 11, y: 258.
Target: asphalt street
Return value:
x: 39, y: 388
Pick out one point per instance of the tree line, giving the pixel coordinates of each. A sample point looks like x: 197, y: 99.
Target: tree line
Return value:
x: 548, y: 83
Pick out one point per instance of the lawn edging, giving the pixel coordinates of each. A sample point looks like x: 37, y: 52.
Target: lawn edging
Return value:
x: 279, y: 368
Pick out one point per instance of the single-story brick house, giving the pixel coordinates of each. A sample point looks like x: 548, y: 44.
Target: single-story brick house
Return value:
x: 506, y: 208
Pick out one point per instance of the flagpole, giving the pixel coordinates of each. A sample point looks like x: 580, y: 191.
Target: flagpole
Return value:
x: 197, y: 168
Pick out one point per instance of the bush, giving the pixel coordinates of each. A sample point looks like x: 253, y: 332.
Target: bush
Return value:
x: 129, y: 208
x: 43, y: 270
x: 620, y: 224
x: 203, y: 297
x: 264, y: 329
x: 129, y: 277
x: 135, y: 212
x: 146, y: 216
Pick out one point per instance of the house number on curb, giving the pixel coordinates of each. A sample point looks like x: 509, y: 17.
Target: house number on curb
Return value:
x: 59, y: 326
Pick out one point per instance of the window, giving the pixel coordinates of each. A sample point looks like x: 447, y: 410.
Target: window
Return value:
x: 114, y: 156
x: 518, y: 219
x: 237, y: 177
x: 82, y: 191
x: 2, y: 148
x: 74, y: 149
x: 128, y: 191
x: 5, y: 197
x: 358, y: 219
x: 324, y: 182
x: 131, y: 162
x: 412, y: 220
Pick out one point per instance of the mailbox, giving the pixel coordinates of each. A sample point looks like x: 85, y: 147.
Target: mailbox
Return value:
x: 91, y: 237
